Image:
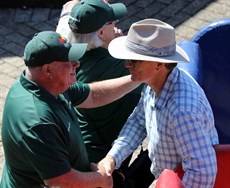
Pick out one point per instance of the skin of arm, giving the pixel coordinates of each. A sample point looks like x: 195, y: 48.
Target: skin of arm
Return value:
x: 104, y: 92
x: 71, y: 4
x: 76, y: 179
x: 108, y: 163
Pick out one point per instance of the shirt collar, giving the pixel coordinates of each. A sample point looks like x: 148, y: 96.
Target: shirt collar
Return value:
x: 167, y: 89
x: 37, y: 90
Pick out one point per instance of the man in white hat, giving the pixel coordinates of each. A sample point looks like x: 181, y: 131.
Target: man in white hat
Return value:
x: 173, y: 110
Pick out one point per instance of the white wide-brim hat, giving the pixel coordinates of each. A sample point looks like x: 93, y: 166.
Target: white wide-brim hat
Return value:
x: 149, y: 40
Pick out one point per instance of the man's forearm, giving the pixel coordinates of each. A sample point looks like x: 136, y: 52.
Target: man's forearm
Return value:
x: 76, y: 179
x: 104, y: 92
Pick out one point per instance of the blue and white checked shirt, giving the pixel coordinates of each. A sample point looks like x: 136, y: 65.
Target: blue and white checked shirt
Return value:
x: 180, y: 127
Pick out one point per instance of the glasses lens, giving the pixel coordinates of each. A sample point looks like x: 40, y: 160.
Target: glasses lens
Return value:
x: 111, y: 22
x: 108, y: 23
x: 133, y: 62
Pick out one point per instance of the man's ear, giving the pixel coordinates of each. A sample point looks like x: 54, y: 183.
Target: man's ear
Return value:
x: 46, y: 70
x: 100, y: 33
x: 159, y: 66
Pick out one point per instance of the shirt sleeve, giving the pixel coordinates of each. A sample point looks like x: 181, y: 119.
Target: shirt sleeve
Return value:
x: 131, y: 135
x: 46, y: 150
x: 78, y: 93
x: 195, y: 148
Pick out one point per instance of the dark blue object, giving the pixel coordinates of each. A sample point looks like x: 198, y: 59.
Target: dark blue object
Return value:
x: 209, y: 52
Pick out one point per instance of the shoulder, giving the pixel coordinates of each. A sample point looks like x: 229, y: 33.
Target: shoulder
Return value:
x: 186, y: 96
x: 78, y: 93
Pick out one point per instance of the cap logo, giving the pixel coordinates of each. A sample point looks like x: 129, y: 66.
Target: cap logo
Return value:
x: 62, y: 39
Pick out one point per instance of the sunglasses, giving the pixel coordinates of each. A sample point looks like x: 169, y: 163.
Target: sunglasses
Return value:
x: 111, y: 22
x: 133, y: 62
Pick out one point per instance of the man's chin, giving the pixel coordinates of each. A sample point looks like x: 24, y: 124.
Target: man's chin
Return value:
x: 72, y: 83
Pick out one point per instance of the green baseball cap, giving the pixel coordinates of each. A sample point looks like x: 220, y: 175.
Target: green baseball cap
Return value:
x: 88, y: 16
x: 49, y: 46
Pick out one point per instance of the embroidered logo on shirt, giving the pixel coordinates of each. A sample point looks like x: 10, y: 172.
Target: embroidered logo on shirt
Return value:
x: 69, y: 126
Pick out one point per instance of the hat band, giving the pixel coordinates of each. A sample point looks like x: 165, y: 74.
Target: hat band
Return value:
x: 151, y: 51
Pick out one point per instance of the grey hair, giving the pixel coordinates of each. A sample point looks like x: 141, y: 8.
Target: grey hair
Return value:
x: 91, y: 38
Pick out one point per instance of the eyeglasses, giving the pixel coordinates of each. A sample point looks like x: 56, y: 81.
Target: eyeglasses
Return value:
x: 111, y: 22
x: 133, y: 62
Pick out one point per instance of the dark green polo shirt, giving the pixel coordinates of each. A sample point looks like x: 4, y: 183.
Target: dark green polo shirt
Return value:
x: 101, y: 126
x: 40, y: 134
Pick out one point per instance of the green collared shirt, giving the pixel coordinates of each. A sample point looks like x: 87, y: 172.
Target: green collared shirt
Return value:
x: 40, y: 134
x: 101, y: 126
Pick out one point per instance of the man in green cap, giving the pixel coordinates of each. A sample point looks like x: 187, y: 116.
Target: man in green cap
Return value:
x: 41, y: 138
x: 93, y: 22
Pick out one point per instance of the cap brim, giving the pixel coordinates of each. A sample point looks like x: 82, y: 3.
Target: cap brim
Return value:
x: 118, y: 50
x: 77, y: 51
x: 119, y: 10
